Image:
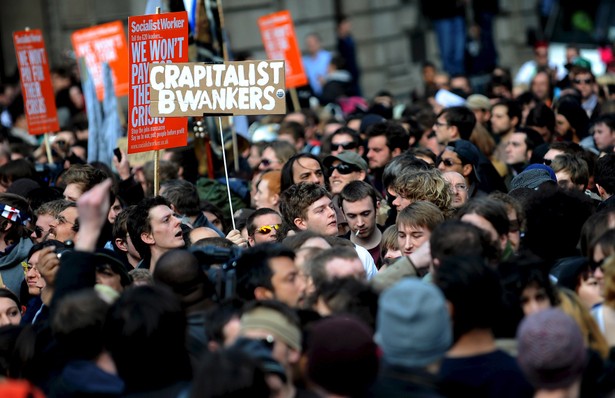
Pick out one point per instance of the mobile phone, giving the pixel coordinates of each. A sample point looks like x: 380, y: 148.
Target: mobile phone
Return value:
x: 118, y: 154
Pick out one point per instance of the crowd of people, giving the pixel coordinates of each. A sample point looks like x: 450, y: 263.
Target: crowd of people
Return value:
x: 458, y: 245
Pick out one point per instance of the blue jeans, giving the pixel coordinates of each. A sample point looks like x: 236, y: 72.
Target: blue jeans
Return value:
x: 451, y: 34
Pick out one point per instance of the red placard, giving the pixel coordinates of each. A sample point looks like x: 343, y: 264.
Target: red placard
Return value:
x: 157, y: 38
x: 280, y: 41
x: 36, y: 87
x: 104, y: 43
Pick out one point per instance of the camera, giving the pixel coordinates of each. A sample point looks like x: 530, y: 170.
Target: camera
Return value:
x: 219, y: 263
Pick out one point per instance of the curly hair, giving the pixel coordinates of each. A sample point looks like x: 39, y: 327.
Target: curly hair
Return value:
x: 428, y: 185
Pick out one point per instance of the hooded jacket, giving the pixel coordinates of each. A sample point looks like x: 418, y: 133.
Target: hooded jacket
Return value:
x: 11, y: 271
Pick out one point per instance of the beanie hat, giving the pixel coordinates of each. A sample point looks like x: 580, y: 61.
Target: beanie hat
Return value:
x: 478, y: 101
x: 542, y: 167
x: 23, y: 187
x: 341, y: 355
x: 273, y: 322
x: 576, y: 116
x: 552, y: 353
x: 413, y: 325
x: 530, y: 179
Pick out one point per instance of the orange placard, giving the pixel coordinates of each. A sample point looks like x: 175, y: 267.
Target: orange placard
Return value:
x: 157, y: 38
x: 104, y: 43
x: 280, y: 41
x: 36, y: 87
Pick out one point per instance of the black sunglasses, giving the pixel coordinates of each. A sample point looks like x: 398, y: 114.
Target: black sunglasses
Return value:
x: 343, y: 168
x: 579, y: 81
x: 449, y: 162
x: 547, y: 162
x: 345, y: 146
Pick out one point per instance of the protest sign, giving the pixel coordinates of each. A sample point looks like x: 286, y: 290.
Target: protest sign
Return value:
x: 157, y: 38
x: 280, y: 42
x: 104, y: 43
x: 39, y: 98
x: 230, y: 88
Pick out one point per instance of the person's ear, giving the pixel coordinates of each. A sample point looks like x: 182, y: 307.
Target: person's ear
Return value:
x: 262, y: 293
x: 121, y: 244
x: 363, y: 174
x: 300, y: 223
x: 251, y: 241
x: 148, y: 238
x: 466, y: 169
x: 396, y: 152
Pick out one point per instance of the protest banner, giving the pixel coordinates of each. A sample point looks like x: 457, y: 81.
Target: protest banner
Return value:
x: 38, y: 95
x: 280, y: 41
x: 104, y: 43
x: 156, y: 38
x: 230, y: 88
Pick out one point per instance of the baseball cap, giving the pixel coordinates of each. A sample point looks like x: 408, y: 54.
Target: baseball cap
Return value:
x: 347, y: 157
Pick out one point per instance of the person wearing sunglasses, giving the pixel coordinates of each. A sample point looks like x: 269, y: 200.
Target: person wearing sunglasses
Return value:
x: 462, y: 157
x: 276, y: 154
x: 263, y: 226
x: 345, y: 139
x: 585, y: 82
x: 343, y: 168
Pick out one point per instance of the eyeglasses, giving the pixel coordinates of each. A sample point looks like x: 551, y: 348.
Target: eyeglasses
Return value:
x: 547, y: 162
x: 585, y: 81
x: 343, y: 168
x: 345, y: 146
x: 449, y: 162
x: 460, y: 187
x: 266, y: 229
x: 439, y: 124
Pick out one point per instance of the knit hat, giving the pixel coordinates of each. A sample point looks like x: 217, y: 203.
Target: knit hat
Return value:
x: 552, y: 352
x: 413, y: 326
x: 478, y: 101
x: 532, y: 179
x: 369, y: 120
x: 273, y: 322
x: 347, y: 157
x: 575, y: 115
x: 23, y: 186
x: 341, y: 355
x: 543, y: 167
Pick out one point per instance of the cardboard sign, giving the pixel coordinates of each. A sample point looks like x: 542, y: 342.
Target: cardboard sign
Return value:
x: 280, y: 41
x: 36, y: 87
x: 104, y: 43
x: 230, y: 88
x: 156, y: 38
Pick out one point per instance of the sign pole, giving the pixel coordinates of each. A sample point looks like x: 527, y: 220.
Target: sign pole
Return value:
x: 156, y: 156
x: 295, y: 98
x: 48, y: 148
x: 230, y: 118
x: 228, y: 187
